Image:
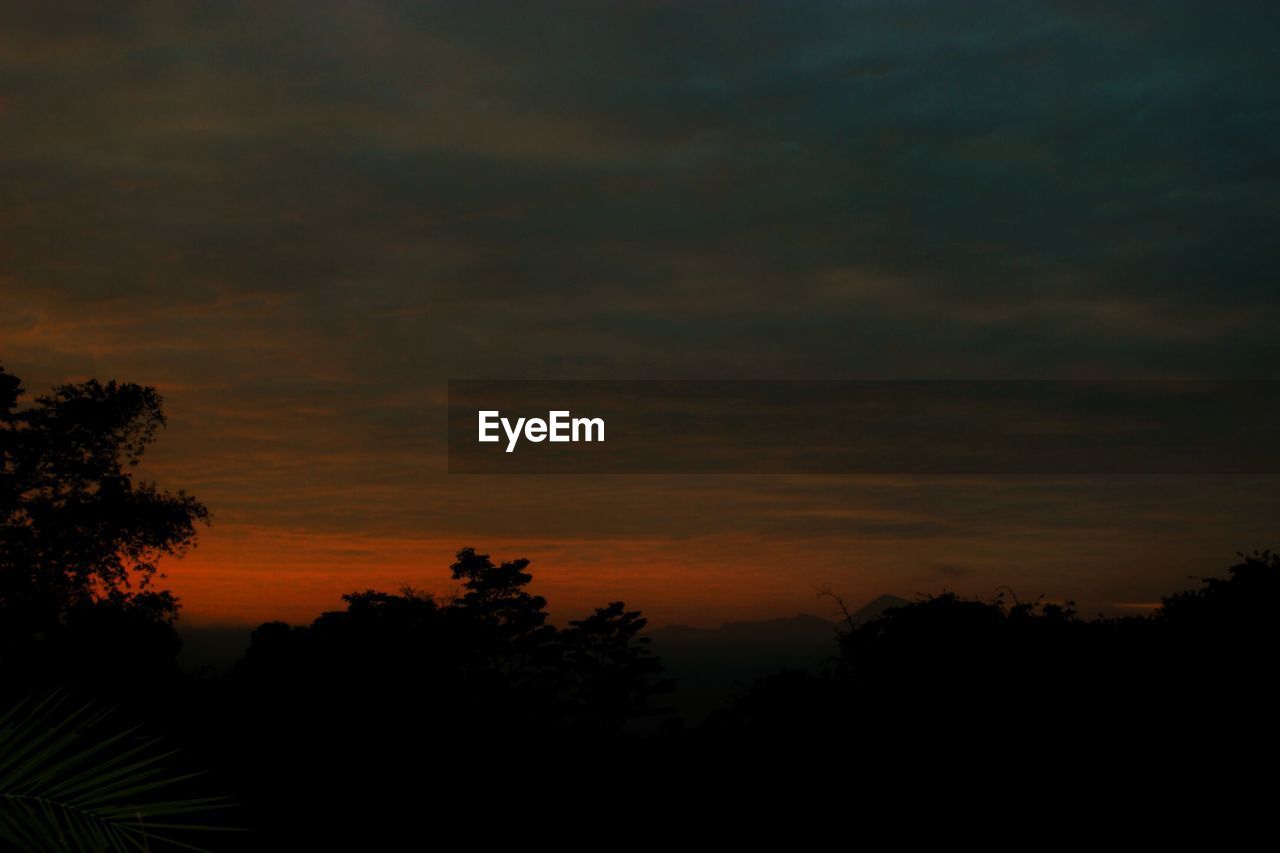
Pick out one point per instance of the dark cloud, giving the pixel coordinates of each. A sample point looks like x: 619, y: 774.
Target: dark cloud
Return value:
x: 952, y: 571
x: 299, y: 219
x: 1007, y: 182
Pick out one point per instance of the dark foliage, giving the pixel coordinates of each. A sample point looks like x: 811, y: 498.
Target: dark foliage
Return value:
x: 480, y: 684
x: 71, y: 780
x: 81, y: 539
x: 945, y: 679
x: 608, y: 675
x: 404, y: 712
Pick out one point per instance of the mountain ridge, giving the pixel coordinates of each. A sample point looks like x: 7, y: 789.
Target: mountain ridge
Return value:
x: 866, y: 613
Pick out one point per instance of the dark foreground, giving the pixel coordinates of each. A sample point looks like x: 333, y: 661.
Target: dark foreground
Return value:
x: 402, y: 713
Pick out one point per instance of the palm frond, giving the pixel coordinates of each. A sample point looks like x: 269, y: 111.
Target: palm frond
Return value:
x: 70, y: 783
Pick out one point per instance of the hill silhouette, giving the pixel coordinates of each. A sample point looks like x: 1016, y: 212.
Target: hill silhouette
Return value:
x: 711, y: 666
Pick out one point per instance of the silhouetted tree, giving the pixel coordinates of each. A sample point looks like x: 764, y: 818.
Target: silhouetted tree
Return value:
x: 610, y: 674
x: 1215, y: 648
x: 77, y: 531
x: 449, y: 692
x: 508, y: 625
x: 1244, y: 601
x: 384, y: 643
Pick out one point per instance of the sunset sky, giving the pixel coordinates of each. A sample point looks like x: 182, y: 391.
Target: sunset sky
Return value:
x: 298, y: 221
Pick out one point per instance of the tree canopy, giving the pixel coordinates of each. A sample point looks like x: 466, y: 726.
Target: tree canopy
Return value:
x: 78, y: 530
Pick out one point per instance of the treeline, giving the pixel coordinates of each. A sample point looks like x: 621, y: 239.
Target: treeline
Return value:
x: 959, y: 672
x: 381, y: 722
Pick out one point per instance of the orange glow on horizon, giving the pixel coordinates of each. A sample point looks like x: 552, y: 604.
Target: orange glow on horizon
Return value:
x: 247, y: 576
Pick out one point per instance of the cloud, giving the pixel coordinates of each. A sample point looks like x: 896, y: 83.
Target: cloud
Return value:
x: 300, y: 219
x: 951, y: 572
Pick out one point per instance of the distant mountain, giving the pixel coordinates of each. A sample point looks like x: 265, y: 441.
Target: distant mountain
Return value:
x: 875, y: 607
x: 802, y: 629
x: 711, y: 664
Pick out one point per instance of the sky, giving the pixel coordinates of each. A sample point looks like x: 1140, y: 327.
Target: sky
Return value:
x: 299, y: 220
